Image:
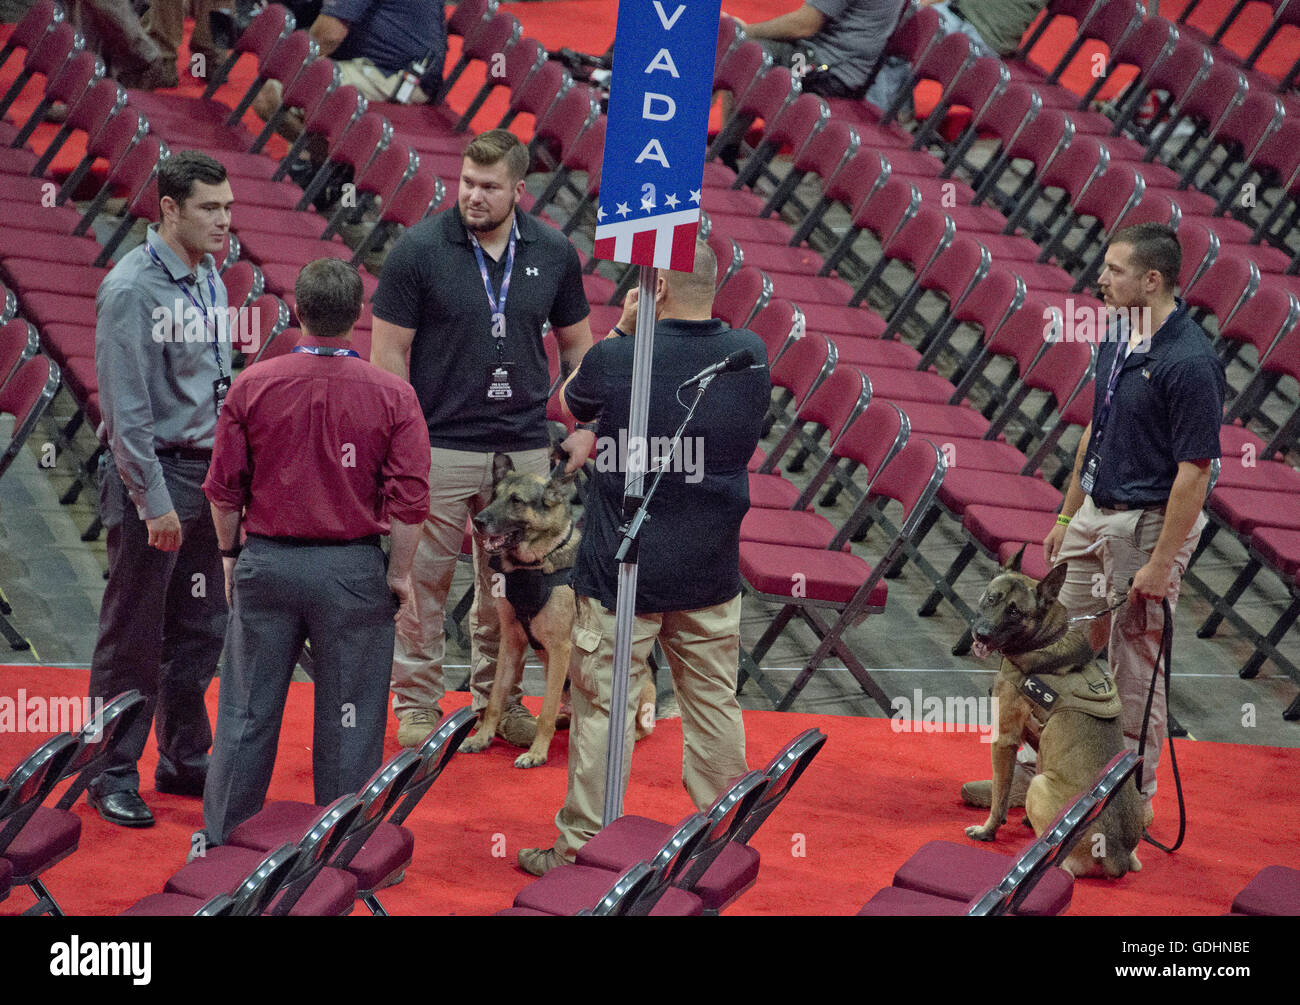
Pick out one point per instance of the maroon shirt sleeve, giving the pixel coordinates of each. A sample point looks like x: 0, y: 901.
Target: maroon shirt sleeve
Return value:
x: 230, y: 473
x: 404, y: 483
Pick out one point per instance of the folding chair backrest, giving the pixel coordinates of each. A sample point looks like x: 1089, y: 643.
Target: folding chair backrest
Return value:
x: 252, y: 896
x: 1226, y: 284
x: 29, y: 31
x: 782, y: 772
x: 911, y: 479
x: 98, y: 738
x: 316, y: 848
x: 804, y: 366
x: 875, y: 438
x: 31, y: 782
x: 1070, y: 825
x: 778, y: 324
x: 1263, y: 319
x: 259, y: 324
x: 219, y: 906
x: 746, y: 293
x: 669, y: 862
x: 378, y: 798
x: 435, y: 752
x: 728, y: 812
x: 466, y: 15
x: 25, y: 396
x: 415, y: 200
x: 625, y: 892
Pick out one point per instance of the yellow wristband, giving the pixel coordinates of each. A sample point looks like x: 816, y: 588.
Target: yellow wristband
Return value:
x: 1062, y: 520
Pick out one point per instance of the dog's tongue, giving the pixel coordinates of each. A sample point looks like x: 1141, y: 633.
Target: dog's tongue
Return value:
x: 979, y: 650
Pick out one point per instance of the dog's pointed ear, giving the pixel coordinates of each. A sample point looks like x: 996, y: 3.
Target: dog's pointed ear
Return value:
x: 1051, y: 584
x: 1013, y: 563
x: 502, y: 465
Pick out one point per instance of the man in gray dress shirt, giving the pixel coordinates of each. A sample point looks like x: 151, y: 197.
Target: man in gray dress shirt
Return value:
x: 162, y: 358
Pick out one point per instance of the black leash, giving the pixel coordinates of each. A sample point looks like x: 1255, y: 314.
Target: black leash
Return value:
x: 1166, y: 652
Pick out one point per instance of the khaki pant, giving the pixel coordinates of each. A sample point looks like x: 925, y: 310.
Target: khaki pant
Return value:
x: 460, y: 484
x: 1105, y: 548
x: 703, y: 650
x: 165, y: 23
x: 370, y: 81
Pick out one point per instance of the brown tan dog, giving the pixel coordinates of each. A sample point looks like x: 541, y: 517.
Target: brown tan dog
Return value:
x: 1050, y: 692
x: 529, y: 530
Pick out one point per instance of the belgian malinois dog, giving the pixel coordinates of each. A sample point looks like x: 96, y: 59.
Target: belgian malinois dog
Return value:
x: 529, y: 531
x: 1046, y: 660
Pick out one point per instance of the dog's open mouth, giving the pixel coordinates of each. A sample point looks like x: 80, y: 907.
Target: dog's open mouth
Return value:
x: 497, y: 543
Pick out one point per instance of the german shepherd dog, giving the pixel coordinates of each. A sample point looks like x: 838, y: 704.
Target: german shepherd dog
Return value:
x: 1041, y: 651
x: 528, y: 528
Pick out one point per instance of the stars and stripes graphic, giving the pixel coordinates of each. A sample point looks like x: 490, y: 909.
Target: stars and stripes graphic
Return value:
x: 663, y: 240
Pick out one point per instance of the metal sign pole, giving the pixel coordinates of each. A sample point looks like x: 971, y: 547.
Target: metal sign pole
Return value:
x: 633, y: 492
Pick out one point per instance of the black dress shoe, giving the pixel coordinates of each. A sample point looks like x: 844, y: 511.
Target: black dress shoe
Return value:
x: 180, y: 785
x: 126, y: 809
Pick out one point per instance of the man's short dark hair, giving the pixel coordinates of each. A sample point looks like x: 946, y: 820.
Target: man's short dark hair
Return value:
x: 1155, y: 246
x: 178, y: 173
x: 328, y: 293
x: 496, y: 145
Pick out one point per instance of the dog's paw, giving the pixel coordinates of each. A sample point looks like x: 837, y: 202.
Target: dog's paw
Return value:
x: 982, y: 833
x: 530, y: 760
x: 476, y: 744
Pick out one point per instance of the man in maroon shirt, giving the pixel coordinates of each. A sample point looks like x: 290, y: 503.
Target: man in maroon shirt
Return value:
x: 317, y: 454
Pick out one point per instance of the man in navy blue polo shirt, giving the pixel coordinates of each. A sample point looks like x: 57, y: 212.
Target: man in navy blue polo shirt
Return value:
x: 373, y: 43
x: 1141, y: 473
x: 688, y: 578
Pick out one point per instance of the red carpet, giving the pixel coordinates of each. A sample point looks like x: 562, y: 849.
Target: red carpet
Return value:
x: 870, y: 799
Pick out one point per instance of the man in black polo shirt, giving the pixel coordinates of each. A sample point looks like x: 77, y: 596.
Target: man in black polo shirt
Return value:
x: 467, y: 293
x: 688, y: 576
x: 1141, y: 473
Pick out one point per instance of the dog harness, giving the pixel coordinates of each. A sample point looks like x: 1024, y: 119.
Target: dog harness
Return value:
x: 529, y: 587
x: 1087, y: 689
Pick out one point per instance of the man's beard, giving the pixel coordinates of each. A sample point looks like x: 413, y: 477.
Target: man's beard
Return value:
x: 489, y: 225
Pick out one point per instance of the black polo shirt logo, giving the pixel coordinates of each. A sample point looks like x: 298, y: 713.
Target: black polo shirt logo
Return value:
x: 533, y: 270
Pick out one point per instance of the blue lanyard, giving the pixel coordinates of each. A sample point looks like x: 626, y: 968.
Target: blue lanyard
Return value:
x: 497, y: 302
x: 320, y: 350
x: 1116, y: 368
x: 198, y: 304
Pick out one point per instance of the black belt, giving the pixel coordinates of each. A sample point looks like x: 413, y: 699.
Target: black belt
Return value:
x: 1120, y: 507
x: 185, y: 453
x: 319, y: 542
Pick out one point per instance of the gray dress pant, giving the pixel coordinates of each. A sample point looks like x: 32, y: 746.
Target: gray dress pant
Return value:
x: 161, y: 625
x: 285, y: 592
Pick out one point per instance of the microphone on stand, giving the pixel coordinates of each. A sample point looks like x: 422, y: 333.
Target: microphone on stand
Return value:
x: 736, y: 361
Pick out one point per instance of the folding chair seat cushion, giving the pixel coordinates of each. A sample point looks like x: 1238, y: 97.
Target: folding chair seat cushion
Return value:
x: 272, y: 249
x: 572, y: 888
x: 964, y: 487
x: 1274, y: 892
x: 17, y: 240
x: 34, y: 274
x: 1233, y: 439
x: 869, y: 353
x: 1269, y: 476
x: 385, y: 854
x: 280, y: 822
x: 831, y: 576
x: 1245, y: 509
x: 984, y: 455
x: 830, y: 318
x: 963, y: 872
x: 794, y: 527
x: 521, y: 912
x: 631, y: 839
x: 903, y: 386
x: 332, y: 893
x: 164, y: 905
x: 772, y: 492
x: 1278, y: 547
x: 50, y: 835
x: 991, y: 526
x: 944, y: 420
x: 895, y: 902
x: 53, y: 308
x: 304, y: 224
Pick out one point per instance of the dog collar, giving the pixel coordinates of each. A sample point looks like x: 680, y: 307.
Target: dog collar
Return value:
x: 538, y: 564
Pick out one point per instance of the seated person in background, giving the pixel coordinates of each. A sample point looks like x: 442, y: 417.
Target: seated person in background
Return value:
x: 374, y: 42
x: 832, y: 44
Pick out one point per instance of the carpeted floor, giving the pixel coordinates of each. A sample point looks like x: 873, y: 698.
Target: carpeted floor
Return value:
x: 872, y: 797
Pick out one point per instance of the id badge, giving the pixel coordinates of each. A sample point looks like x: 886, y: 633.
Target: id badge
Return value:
x: 499, y: 382
x: 1089, y: 477
x: 220, y: 388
